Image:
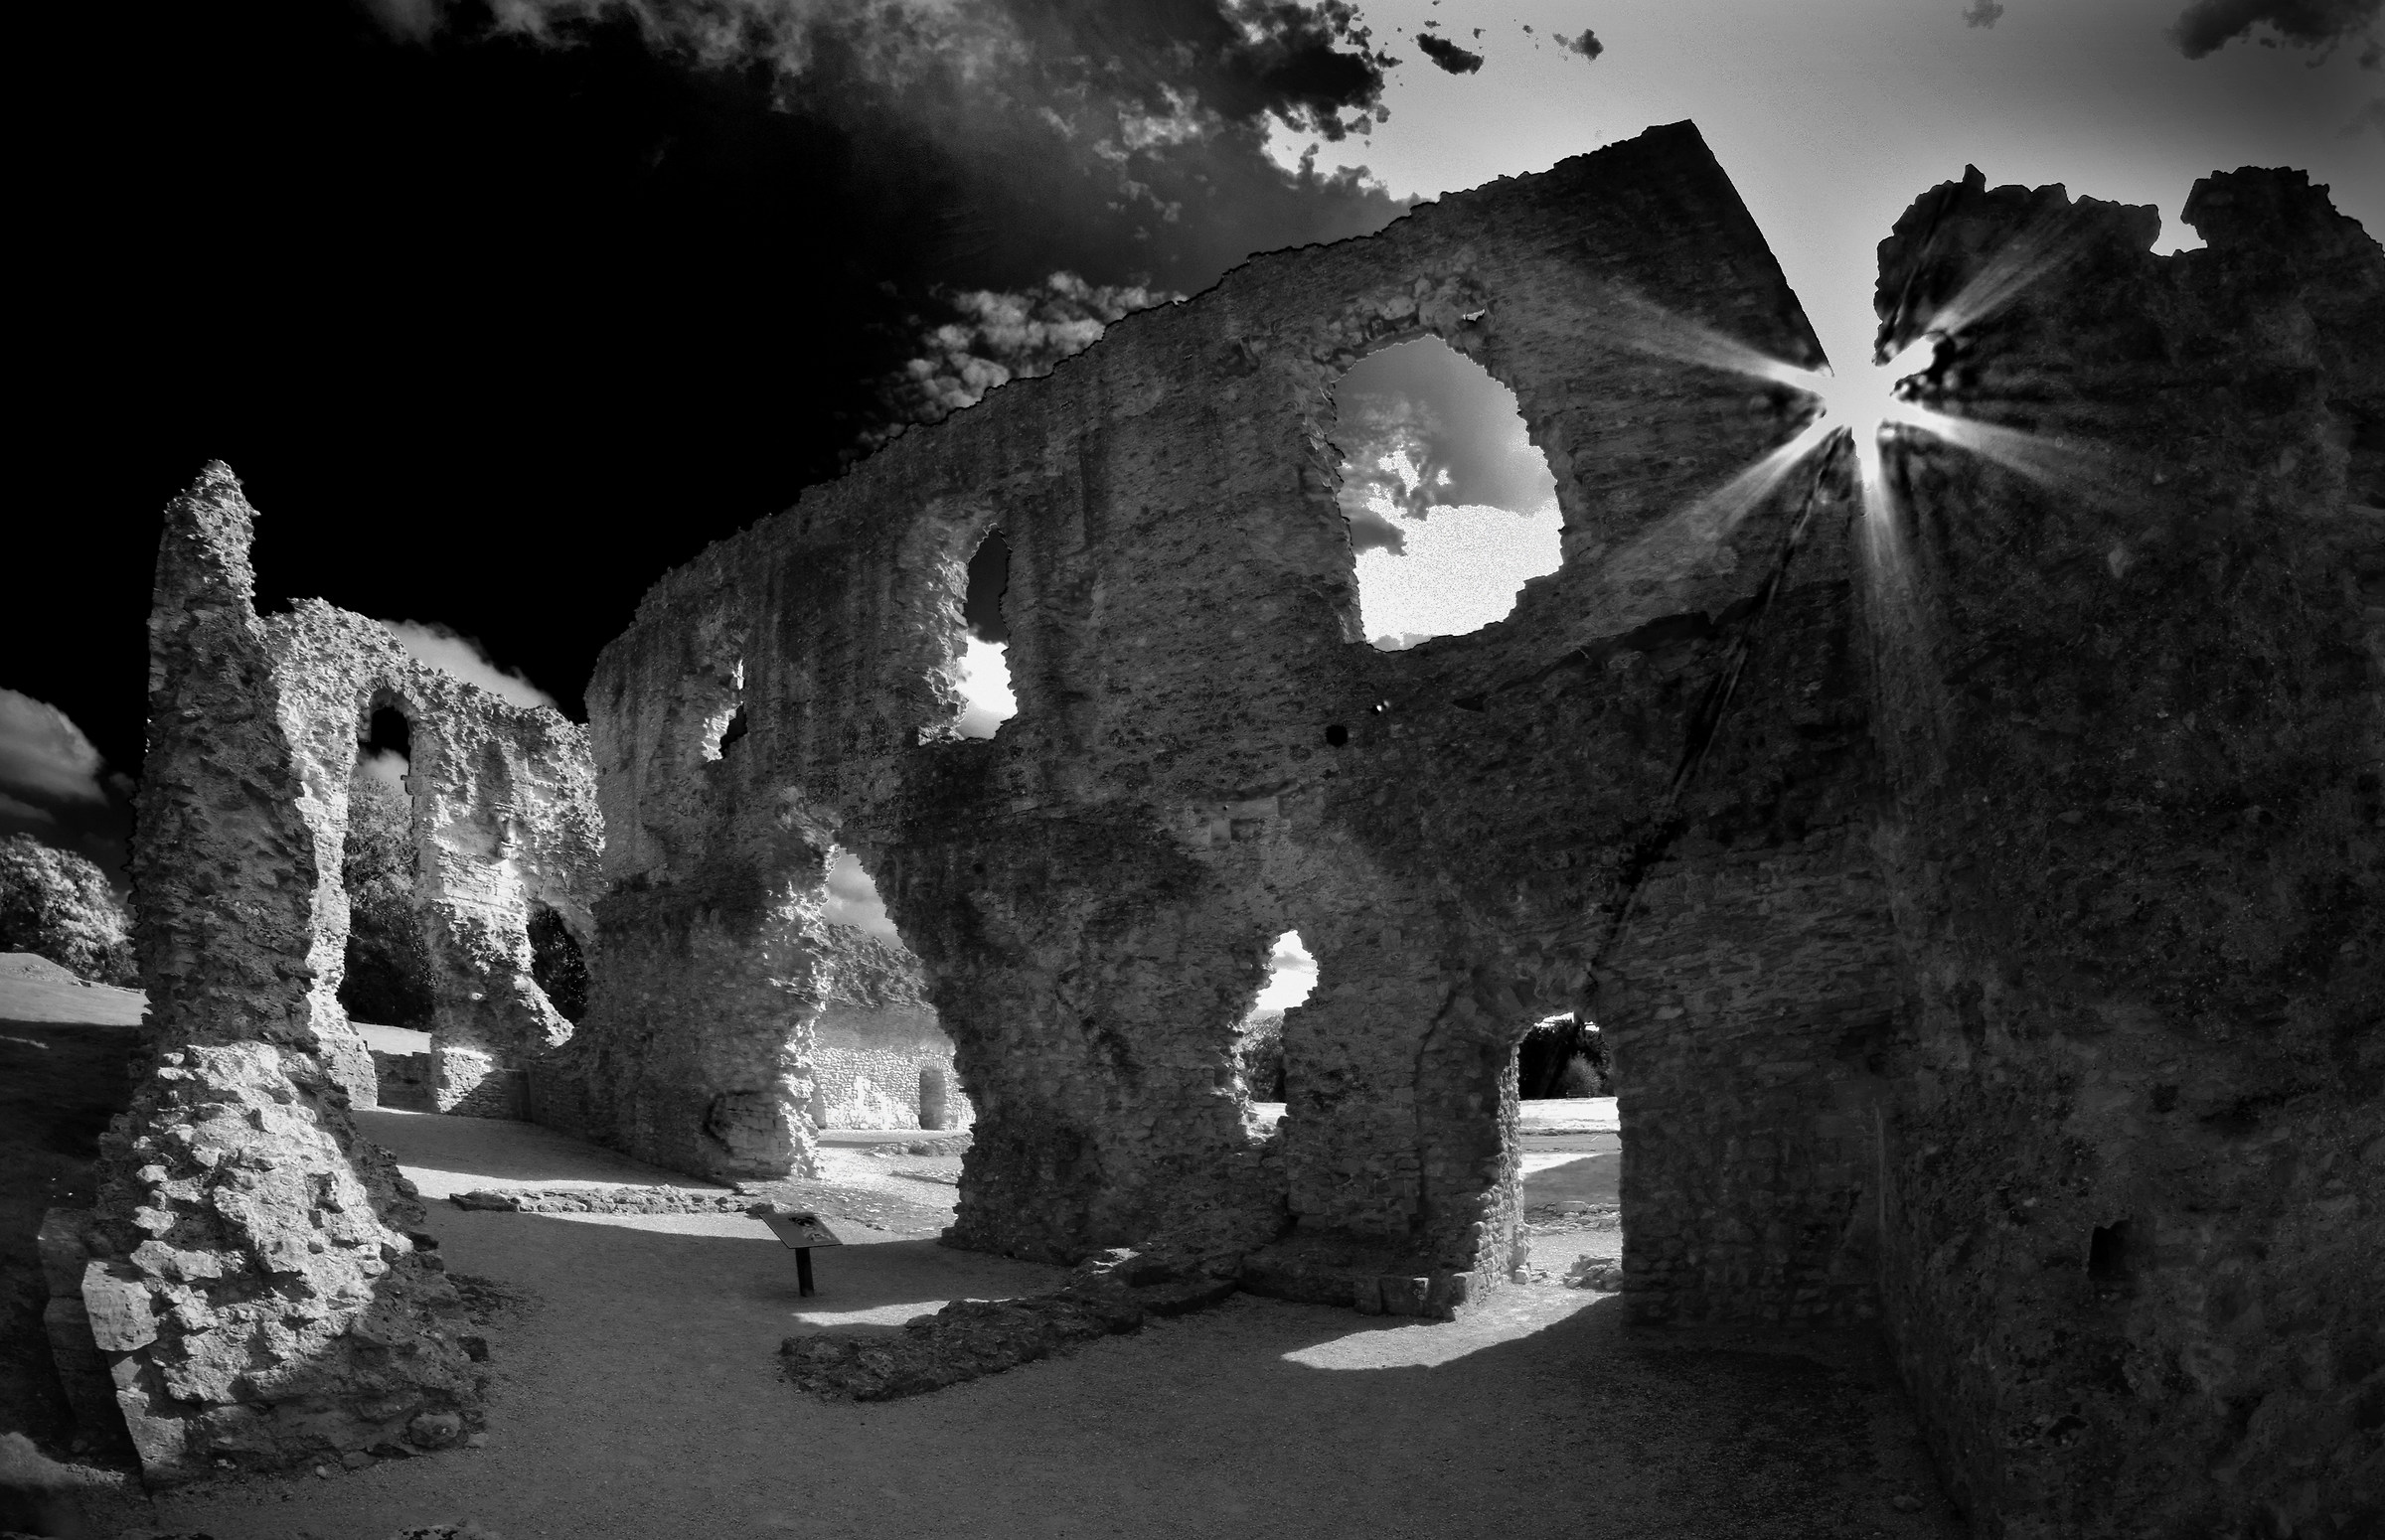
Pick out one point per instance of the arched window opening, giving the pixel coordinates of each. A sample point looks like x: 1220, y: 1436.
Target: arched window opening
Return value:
x: 1291, y: 977
x: 985, y: 663
x: 556, y: 964
x: 388, y: 750
x: 385, y: 987
x: 1449, y: 506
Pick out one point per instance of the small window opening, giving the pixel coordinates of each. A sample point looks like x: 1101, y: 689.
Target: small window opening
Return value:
x: 1563, y: 1056
x: 1449, y: 506
x: 852, y: 901
x: 986, y: 693
x: 2108, y: 1259
x: 732, y: 733
x: 556, y: 964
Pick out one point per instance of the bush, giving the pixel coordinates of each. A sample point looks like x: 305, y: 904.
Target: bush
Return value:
x: 59, y: 905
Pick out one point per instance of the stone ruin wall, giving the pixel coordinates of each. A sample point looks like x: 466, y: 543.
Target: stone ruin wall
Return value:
x: 2132, y: 721
x: 251, y: 1274
x: 1207, y: 754
x: 504, y: 819
x: 2006, y: 965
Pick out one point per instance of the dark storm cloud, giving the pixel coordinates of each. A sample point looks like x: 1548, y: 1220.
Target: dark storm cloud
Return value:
x: 2208, y: 25
x: 1449, y: 55
x: 1984, y: 13
x: 1124, y: 143
x: 1587, y: 45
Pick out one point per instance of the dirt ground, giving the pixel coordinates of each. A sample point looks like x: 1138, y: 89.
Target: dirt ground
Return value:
x: 635, y: 1393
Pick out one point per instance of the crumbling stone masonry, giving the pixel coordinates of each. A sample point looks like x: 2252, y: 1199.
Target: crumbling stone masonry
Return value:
x: 1977, y: 884
x: 1976, y: 875
x: 252, y: 1273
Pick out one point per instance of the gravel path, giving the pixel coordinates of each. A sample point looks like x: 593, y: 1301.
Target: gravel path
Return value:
x: 635, y: 1393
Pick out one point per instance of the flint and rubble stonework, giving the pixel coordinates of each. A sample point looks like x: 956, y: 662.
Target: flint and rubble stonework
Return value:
x: 1978, y: 890
x: 2133, y: 719
x: 253, y: 1278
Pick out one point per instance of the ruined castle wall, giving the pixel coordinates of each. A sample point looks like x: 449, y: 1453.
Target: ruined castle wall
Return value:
x: 1207, y: 754
x: 1751, y: 993
x: 504, y: 817
x: 248, y: 1274
x: 2134, y: 719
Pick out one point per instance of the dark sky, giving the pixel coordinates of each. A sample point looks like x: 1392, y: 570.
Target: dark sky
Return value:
x: 497, y: 325
x: 501, y: 313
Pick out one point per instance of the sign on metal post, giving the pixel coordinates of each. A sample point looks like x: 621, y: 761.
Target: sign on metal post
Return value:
x: 799, y: 1230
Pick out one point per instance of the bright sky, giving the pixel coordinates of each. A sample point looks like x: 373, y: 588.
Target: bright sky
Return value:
x: 1831, y: 115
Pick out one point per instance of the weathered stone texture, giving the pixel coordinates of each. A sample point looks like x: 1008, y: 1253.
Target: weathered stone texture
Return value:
x: 252, y: 1282
x: 1094, y: 891
x: 504, y: 818
x: 2134, y: 719
x: 249, y: 1281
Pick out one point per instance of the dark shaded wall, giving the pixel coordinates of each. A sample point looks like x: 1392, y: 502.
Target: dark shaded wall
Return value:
x: 2134, y: 718
x: 1207, y: 754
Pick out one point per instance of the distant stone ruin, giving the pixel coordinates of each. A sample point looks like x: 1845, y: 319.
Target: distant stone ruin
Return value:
x: 1971, y: 860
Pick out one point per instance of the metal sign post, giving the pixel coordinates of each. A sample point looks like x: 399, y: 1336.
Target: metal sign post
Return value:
x: 799, y: 1230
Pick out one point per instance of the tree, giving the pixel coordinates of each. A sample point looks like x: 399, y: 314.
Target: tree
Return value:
x: 58, y: 904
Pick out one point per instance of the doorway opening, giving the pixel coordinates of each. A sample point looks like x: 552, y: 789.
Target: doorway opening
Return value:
x: 385, y: 989
x: 881, y: 1058
x: 1449, y: 506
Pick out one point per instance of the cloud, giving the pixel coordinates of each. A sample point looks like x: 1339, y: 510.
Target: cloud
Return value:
x: 2206, y: 26
x: 1422, y: 426
x: 453, y: 653
x: 44, y: 755
x: 1127, y: 143
x: 1587, y: 45
x: 1984, y: 13
x: 386, y: 766
x: 853, y: 899
x: 994, y: 338
x: 987, y: 698
x: 2367, y: 119
x: 1449, y: 55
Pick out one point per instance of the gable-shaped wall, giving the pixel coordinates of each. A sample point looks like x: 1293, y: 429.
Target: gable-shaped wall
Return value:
x: 1207, y: 754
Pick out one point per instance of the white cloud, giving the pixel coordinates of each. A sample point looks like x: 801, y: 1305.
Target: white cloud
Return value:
x: 986, y: 687
x: 386, y: 765
x: 453, y: 653
x: 852, y: 901
x: 43, y: 753
x: 1291, y: 974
